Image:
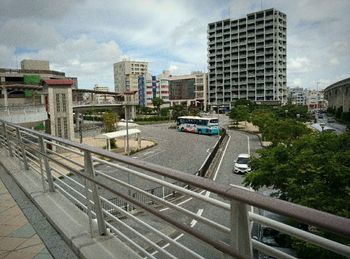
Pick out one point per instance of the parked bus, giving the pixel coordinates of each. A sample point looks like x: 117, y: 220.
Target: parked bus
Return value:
x: 195, y: 124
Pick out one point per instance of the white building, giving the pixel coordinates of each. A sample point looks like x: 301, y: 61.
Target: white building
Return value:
x: 247, y: 58
x: 102, y: 98
x: 315, y: 100
x: 126, y: 75
x: 157, y: 86
x: 297, y: 95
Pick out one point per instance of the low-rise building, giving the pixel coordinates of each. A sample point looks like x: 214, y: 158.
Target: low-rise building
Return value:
x: 297, y: 96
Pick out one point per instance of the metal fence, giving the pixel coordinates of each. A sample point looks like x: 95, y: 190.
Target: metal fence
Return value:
x: 161, y: 227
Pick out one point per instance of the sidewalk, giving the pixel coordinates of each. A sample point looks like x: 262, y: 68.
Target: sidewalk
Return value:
x: 24, y: 231
x: 18, y: 239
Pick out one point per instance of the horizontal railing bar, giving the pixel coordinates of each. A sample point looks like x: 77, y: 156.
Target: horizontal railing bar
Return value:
x: 64, y: 147
x: 69, y: 187
x: 170, y: 240
x: 67, y: 177
x: 29, y: 134
x: 151, y: 243
x: 70, y: 196
x: 303, y: 235
x: 169, y: 204
x: 172, y: 186
x: 303, y: 214
x: 135, y: 245
x: 268, y: 250
x: 218, y: 245
x: 65, y: 158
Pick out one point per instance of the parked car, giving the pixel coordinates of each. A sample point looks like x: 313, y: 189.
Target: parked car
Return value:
x: 241, y: 164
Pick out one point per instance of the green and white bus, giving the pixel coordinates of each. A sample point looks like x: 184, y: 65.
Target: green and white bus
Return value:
x: 200, y: 125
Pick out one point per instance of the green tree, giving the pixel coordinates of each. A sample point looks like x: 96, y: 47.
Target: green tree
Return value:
x: 314, y: 171
x: 157, y: 102
x: 239, y: 113
x: 178, y: 110
x: 284, y: 131
x: 110, y: 120
x: 193, y: 111
x: 251, y: 105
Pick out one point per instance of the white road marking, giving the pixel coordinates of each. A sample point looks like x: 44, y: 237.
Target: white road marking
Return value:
x: 148, y: 152
x: 248, y: 145
x: 145, y: 157
x: 199, y: 213
x: 218, y: 168
x: 181, y: 203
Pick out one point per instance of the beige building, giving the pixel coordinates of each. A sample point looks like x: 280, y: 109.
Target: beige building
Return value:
x: 102, y: 98
x: 338, y: 95
x: 189, y: 89
x: 30, y: 68
x: 60, y: 107
x: 126, y: 75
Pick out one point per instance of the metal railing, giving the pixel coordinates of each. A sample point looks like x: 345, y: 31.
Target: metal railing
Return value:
x: 113, y: 193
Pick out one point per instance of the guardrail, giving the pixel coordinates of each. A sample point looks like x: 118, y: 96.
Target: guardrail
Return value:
x: 158, y: 229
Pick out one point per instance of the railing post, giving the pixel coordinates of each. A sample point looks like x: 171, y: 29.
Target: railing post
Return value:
x: 46, y: 162
x: 88, y: 203
x: 89, y: 169
x: 8, y: 143
x: 240, y: 230
x: 23, y: 150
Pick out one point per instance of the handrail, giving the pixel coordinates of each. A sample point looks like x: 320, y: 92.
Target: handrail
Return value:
x: 330, y: 222
x: 126, y: 196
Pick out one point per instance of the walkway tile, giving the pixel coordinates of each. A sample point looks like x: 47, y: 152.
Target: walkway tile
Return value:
x: 10, y: 243
x: 25, y: 231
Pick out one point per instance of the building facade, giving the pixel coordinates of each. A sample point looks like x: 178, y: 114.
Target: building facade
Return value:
x: 247, y: 58
x: 189, y: 89
x: 297, y: 96
x: 102, y: 98
x: 315, y: 100
x: 126, y: 75
x: 338, y: 95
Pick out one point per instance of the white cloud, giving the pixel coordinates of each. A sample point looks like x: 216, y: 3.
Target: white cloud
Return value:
x: 25, y: 33
x: 299, y: 65
x: 85, y: 37
x: 84, y: 57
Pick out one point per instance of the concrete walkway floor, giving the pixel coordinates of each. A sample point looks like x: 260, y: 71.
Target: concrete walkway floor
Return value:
x: 24, y: 232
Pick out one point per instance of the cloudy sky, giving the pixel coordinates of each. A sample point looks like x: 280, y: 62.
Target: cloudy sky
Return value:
x: 85, y: 37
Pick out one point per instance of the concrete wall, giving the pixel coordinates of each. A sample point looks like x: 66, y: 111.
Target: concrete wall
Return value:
x: 35, y: 64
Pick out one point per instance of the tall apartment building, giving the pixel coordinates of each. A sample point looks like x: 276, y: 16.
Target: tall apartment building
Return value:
x: 247, y: 58
x: 126, y: 74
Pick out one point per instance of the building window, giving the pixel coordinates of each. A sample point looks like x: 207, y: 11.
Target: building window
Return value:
x: 58, y: 103
x: 59, y: 127
x: 64, y: 102
x: 65, y: 127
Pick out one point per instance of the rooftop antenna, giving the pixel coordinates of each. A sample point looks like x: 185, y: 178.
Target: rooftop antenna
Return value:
x: 261, y: 4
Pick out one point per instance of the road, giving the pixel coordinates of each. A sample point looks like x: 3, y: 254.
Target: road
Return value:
x: 186, y: 152
x: 239, y: 142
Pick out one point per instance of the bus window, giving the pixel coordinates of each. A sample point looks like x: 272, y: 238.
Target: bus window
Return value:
x: 214, y: 121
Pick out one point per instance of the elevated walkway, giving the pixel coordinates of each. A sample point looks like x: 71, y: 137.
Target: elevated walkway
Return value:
x: 25, y: 232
